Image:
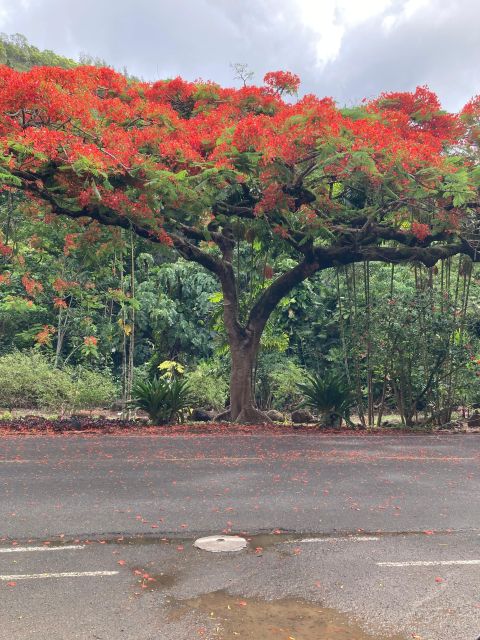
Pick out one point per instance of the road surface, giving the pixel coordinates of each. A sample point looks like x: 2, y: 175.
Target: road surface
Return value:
x: 378, y: 532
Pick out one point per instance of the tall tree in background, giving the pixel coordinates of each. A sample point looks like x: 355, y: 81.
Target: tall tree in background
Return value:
x: 206, y: 169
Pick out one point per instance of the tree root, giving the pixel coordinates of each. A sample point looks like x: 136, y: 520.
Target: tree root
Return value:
x: 248, y: 415
x: 225, y: 416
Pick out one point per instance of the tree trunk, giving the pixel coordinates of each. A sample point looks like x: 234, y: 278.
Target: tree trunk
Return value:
x: 244, y: 338
x: 242, y: 402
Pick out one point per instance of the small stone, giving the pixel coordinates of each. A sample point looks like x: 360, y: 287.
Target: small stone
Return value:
x: 202, y: 415
x: 275, y: 415
x: 301, y: 416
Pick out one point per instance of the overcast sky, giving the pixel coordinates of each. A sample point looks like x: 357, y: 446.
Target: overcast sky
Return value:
x: 348, y: 49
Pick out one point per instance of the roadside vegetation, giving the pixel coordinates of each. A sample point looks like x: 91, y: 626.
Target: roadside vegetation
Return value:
x: 90, y: 314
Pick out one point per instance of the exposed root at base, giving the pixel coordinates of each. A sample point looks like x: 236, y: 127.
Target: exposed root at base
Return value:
x: 248, y: 415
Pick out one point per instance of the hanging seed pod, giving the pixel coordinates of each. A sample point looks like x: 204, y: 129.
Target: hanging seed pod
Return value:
x: 465, y: 266
x: 238, y: 229
x: 268, y: 271
x: 250, y: 235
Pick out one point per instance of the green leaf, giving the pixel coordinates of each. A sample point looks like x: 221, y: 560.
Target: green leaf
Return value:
x: 216, y: 298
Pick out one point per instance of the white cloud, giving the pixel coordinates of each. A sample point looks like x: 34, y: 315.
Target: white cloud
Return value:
x: 412, y: 6
x: 330, y: 20
x: 417, y: 42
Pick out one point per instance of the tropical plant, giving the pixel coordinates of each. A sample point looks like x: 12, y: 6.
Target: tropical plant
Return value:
x: 29, y: 381
x: 328, y: 394
x: 164, y: 400
x: 214, y: 173
x: 171, y: 369
x: 209, y: 388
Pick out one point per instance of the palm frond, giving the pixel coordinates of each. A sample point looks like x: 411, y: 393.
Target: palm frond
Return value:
x: 327, y: 393
x: 163, y: 400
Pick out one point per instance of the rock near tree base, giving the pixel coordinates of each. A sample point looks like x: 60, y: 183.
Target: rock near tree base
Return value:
x: 202, y: 415
x: 275, y: 415
x: 302, y: 416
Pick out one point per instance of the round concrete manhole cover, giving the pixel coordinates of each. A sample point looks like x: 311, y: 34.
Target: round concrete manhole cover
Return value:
x: 219, y: 544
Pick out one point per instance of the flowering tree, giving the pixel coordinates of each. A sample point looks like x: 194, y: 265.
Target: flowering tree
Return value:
x: 204, y: 169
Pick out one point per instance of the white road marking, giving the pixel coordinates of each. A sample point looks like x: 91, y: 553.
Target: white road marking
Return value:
x: 71, y: 574
x: 344, y: 539
x: 427, y: 563
x: 65, y: 547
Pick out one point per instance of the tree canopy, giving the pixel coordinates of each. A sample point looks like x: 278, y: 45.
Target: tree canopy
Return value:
x: 201, y: 168
x: 174, y: 158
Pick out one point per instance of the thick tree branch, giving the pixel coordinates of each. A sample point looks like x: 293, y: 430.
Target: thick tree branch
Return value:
x: 110, y: 218
x: 326, y: 257
x: 279, y: 288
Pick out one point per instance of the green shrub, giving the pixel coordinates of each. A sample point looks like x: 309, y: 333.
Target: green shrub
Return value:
x: 276, y: 382
x: 209, y: 389
x: 94, y: 389
x: 284, y: 382
x: 164, y: 400
x: 28, y: 381
x: 328, y: 394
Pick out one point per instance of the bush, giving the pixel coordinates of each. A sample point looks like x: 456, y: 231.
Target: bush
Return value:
x: 94, y: 389
x: 164, y: 400
x: 276, y: 382
x: 329, y: 395
x: 209, y: 389
x: 285, y: 380
x: 29, y: 381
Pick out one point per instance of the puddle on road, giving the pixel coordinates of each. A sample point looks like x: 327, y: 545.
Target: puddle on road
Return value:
x: 234, y: 617
x: 160, y: 581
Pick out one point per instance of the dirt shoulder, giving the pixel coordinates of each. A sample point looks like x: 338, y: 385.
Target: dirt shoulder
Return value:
x: 34, y: 424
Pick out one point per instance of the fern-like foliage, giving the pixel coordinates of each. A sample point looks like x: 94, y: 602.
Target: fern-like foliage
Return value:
x: 328, y: 394
x: 165, y: 401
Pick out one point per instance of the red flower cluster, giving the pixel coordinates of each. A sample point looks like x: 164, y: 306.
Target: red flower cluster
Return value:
x: 282, y: 81
x: 31, y: 286
x: 420, y: 230
x: 5, y: 250
x: 60, y: 286
x: 43, y: 337
x: 59, y: 303
x: 70, y: 243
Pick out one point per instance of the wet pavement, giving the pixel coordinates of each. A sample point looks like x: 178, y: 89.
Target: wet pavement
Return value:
x: 348, y: 537
x: 291, y: 619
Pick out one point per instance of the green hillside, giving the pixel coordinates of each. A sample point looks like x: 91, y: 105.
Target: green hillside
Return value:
x: 18, y: 53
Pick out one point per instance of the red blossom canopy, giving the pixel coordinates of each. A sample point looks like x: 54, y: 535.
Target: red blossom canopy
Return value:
x: 201, y: 167
x: 160, y: 155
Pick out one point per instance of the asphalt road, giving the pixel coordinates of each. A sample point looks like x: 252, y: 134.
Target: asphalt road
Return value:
x: 384, y: 530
